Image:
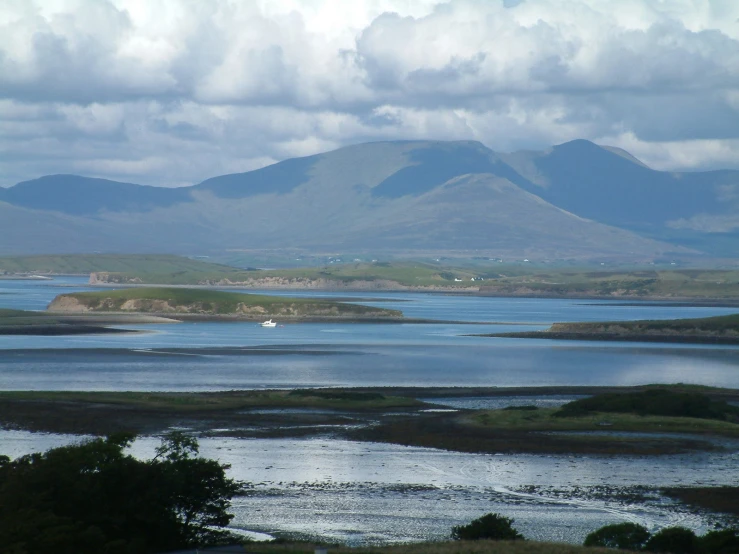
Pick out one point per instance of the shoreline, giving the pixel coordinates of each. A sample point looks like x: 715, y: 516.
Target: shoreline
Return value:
x: 396, y: 415
x: 617, y: 337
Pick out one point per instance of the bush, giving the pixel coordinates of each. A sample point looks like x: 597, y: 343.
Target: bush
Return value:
x: 675, y: 540
x: 626, y: 536
x: 725, y: 541
x: 489, y: 526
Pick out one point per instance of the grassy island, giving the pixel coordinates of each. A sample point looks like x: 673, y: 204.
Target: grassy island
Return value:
x: 183, y: 302
x: 718, y: 330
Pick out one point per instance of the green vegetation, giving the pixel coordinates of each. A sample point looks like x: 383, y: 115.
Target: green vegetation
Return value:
x: 654, y: 402
x: 548, y: 419
x: 716, y: 499
x: 673, y: 540
x: 92, y: 497
x: 211, y: 302
x: 488, y: 527
x: 193, y: 402
x: 674, y: 283
x: 727, y: 325
x: 76, y: 264
x: 624, y: 536
x: 719, y: 329
x: 497, y: 279
x: 402, y: 274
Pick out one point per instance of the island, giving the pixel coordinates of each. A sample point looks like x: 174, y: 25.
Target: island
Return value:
x: 202, y: 304
x: 706, y: 330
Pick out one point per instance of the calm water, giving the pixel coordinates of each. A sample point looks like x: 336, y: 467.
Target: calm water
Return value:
x: 360, y: 493
x: 213, y: 356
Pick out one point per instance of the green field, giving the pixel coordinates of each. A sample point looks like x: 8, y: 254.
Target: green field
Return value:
x: 501, y: 280
x: 211, y: 302
x: 498, y: 279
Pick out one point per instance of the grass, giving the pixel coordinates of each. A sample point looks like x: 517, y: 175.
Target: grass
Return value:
x: 192, y: 402
x: 204, y: 301
x: 501, y: 279
x: 654, y: 402
x: 451, y: 547
x: 407, y: 274
x: 544, y: 420
x: 694, y: 283
x: 719, y: 325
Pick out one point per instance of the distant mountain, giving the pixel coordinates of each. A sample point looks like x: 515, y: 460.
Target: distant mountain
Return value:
x: 75, y: 195
x: 611, y: 186
x: 576, y: 199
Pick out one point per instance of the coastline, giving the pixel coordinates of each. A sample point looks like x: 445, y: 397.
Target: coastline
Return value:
x: 617, y: 337
x: 622, y: 299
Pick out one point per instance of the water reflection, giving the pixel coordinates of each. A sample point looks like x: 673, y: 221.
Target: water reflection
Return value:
x: 364, y: 492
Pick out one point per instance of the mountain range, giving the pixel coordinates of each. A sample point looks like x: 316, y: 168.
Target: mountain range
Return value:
x: 574, y: 200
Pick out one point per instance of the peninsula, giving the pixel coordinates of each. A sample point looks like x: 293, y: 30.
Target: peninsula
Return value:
x: 707, y: 330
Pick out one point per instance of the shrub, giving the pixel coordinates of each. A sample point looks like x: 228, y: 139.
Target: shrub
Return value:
x: 675, y: 540
x: 626, y: 536
x: 725, y: 541
x: 489, y: 526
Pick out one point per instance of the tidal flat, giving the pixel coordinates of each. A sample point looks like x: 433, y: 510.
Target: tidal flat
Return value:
x: 312, y: 477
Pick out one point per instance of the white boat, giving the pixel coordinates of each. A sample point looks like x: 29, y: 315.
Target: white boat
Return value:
x: 268, y: 323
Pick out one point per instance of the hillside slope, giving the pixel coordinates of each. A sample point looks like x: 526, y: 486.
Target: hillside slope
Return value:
x: 574, y: 200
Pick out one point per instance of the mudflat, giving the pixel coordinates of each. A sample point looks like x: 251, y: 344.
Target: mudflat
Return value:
x: 379, y: 415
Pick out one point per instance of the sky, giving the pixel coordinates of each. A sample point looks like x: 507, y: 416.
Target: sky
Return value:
x: 171, y: 92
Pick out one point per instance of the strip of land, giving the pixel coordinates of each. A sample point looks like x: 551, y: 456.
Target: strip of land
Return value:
x: 378, y: 415
x: 708, y: 330
x: 22, y: 322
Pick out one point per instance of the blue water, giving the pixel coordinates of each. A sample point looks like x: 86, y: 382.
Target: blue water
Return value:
x: 356, y: 493
x: 217, y: 356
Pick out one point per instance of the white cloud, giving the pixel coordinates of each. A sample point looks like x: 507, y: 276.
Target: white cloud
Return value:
x: 217, y: 86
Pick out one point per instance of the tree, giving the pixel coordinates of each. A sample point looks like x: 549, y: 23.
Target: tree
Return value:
x: 94, y: 498
x: 675, y: 540
x: 625, y: 536
x: 489, y: 526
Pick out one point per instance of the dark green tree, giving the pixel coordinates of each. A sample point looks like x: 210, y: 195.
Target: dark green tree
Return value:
x: 675, y: 540
x: 489, y: 526
x: 94, y: 498
x: 625, y: 536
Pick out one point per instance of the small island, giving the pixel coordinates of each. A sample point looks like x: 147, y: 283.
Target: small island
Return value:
x: 199, y: 304
x: 707, y: 330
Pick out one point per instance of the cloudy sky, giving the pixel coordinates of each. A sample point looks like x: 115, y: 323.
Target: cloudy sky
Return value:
x: 170, y: 92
